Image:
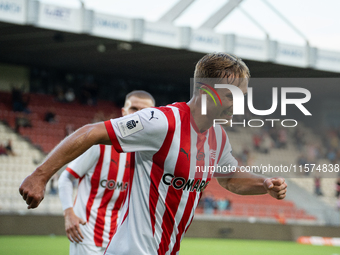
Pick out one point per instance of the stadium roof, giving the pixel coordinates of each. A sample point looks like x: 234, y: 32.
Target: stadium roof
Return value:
x: 51, y: 36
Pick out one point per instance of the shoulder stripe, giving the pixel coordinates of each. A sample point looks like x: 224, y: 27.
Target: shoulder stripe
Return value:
x: 68, y: 169
x: 113, y: 136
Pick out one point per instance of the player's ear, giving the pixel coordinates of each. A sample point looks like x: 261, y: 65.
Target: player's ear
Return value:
x: 124, y: 113
x: 202, y: 89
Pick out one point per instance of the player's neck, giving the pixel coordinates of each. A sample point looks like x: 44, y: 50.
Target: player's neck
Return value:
x: 203, y: 123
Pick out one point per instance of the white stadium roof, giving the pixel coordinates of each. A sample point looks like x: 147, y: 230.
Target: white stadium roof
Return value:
x: 244, y: 28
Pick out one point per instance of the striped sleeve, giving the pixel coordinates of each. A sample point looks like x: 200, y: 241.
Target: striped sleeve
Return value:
x: 141, y: 131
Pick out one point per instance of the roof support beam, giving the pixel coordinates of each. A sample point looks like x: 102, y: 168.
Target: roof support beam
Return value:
x: 218, y: 16
x: 290, y: 24
x: 175, y: 11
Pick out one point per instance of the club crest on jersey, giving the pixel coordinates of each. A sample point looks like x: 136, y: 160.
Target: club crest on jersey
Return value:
x: 200, y: 155
x: 130, y: 125
x: 183, y: 184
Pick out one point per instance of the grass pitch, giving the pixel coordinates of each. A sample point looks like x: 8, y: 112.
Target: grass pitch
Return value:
x: 59, y: 245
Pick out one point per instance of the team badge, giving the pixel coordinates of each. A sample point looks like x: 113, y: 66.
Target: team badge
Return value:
x: 130, y: 125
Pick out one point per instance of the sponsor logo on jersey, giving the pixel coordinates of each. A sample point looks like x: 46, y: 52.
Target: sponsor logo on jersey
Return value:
x: 186, y: 153
x: 183, y: 184
x: 112, y: 184
x: 153, y: 117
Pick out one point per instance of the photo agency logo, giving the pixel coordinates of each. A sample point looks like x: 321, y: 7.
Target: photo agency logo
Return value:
x: 216, y: 92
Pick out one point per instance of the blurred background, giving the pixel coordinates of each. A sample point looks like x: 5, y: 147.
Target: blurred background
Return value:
x: 64, y: 64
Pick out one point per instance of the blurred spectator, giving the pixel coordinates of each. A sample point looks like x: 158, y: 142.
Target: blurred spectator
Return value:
x: 273, y: 133
x: 337, y: 188
x: 299, y: 138
x: 22, y: 120
x: 59, y: 93
x: 19, y: 101
x: 3, y: 150
x: 208, y: 203
x: 281, y: 217
x: 50, y: 116
x: 89, y: 93
x: 69, y: 95
x: 98, y: 117
x: 54, y: 184
x: 245, y: 157
x: 301, y: 161
x: 256, y: 141
x: 69, y: 129
x: 282, y: 138
x: 9, y: 148
x: 266, y: 143
x: 317, y: 186
x: 332, y: 156
x: 312, y: 153
x: 334, y: 139
x: 222, y: 205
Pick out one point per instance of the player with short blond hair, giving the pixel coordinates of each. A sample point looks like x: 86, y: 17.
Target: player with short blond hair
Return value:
x: 168, y: 145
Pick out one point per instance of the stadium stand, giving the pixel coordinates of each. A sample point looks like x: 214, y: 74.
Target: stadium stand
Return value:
x: 47, y: 135
x: 44, y: 136
x: 258, y: 206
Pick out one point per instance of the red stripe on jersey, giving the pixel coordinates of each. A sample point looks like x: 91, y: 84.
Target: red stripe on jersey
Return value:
x: 72, y: 172
x: 112, y: 136
x: 157, y: 168
x: 186, y: 229
x: 224, y: 139
x: 200, y: 161
x: 122, y: 195
x: 108, y: 193
x: 132, y: 171
x: 95, y: 182
x: 181, y: 226
x: 173, y: 197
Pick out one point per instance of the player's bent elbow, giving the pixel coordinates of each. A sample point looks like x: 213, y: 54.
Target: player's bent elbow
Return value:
x: 96, y: 133
x: 223, y: 182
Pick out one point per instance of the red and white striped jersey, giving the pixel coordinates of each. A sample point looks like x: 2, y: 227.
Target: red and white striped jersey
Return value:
x: 165, y: 184
x: 103, y: 182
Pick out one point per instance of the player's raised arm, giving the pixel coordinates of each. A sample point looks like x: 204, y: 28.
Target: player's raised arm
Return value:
x: 32, y: 188
x: 244, y: 183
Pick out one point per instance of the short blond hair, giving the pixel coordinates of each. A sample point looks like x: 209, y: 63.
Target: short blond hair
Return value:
x: 221, y: 65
